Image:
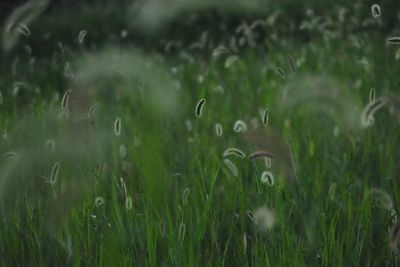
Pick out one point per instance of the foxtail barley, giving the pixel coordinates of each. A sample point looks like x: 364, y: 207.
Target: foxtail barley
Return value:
x: 117, y: 126
x: 55, y: 171
x: 23, y: 29
x: 281, y: 73
x: 230, y: 60
x: 81, y: 36
x: 219, y: 89
x: 219, y: 51
x: 239, y: 126
x: 336, y: 131
x: 218, y: 129
x: 28, y: 49
x: 122, y: 151
x: 268, y: 162
x: 189, y: 125
x: 8, y: 155
x: 381, y: 198
x: 393, y: 214
x: 394, y: 236
x: 372, y: 95
x: 17, y: 23
x: 250, y: 214
x: 397, y: 54
x: 17, y: 86
x: 376, y: 10
x: 199, y: 107
x: 123, y: 186
x: 266, y: 117
x: 258, y: 23
x: 128, y: 203
x: 65, y: 99
x: 267, y: 178
x: 394, y: 40
x: 232, y: 167
x: 92, y: 110
x: 234, y: 152
x: 367, y: 116
x: 292, y: 64
x: 50, y: 145
x: 124, y: 34
x: 182, y: 232
x: 185, y: 196
x: 99, y: 201
x: 261, y: 154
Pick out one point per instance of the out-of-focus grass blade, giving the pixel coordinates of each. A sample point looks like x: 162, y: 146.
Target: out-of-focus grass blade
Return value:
x: 17, y: 23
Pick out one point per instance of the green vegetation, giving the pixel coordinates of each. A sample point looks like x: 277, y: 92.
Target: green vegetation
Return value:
x: 107, y: 157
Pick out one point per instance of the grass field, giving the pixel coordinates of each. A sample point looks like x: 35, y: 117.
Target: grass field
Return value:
x: 119, y: 156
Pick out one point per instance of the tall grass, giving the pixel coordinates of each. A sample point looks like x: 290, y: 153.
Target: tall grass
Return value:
x: 239, y: 151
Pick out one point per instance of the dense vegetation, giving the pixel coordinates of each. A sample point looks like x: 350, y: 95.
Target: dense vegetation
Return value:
x: 266, y: 135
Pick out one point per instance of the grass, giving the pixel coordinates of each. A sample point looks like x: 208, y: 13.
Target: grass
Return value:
x: 171, y: 201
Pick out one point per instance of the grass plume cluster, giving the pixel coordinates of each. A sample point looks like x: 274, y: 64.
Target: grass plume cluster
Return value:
x: 235, y: 153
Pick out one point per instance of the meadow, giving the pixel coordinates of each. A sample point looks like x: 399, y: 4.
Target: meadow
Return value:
x: 194, y: 135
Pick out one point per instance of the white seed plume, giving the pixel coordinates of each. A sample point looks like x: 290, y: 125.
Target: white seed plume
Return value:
x: 218, y: 51
x: 266, y: 117
x: 367, y: 116
x: 394, y: 40
x: 17, y: 23
x: 199, y: 107
x: 292, y: 64
x: 117, y: 126
x: 230, y: 60
x: 381, y: 198
x: 92, y: 110
x: 123, y: 186
x: 372, y: 95
x: 50, y: 145
x: 268, y: 162
x: 394, y: 236
x: 232, y: 167
x: 65, y: 99
x: 281, y: 73
x: 23, y: 29
x: 239, y: 126
x: 264, y: 218
x: 55, y: 171
x: 267, y: 178
x: 261, y: 154
x: 218, y: 129
x: 99, y: 201
x: 8, y: 155
x: 128, y: 203
x: 234, y: 152
x: 397, y: 55
x: 336, y: 131
x: 182, y: 232
x: 393, y: 214
x: 122, y: 151
x: 185, y: 196
x: 189, y: 125
x: 81, y: 36
x: 376, y: 10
